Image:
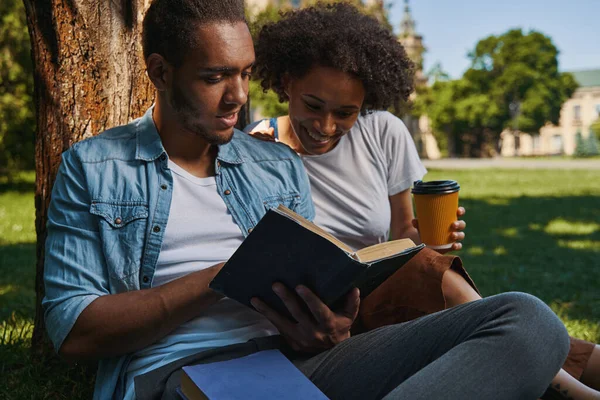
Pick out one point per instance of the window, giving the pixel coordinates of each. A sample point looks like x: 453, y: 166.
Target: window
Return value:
x: 598, y: 110
x: 557, y: 144
x: 577, y: 113
x: 536, y: 143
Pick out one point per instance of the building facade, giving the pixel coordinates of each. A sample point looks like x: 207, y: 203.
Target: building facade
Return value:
x: 419, y: 127
x: 576, y: 116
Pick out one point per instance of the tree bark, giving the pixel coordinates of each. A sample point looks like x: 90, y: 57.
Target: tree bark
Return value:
x: 89, y: 75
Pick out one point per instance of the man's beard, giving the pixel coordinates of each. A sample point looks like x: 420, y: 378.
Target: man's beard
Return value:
x: 188, y: 118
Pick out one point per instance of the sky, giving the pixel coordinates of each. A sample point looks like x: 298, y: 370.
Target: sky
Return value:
x: 450, y: 29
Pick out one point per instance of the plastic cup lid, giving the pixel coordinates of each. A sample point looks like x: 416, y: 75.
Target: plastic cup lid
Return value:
x: 435, y: 187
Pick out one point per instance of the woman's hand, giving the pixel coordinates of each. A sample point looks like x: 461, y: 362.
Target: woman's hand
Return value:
x: 317, y: 330
x: 457, y: 227
x: 267, y: 136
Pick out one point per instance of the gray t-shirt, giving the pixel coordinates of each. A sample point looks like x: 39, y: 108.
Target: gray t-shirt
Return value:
x: 351, y: 184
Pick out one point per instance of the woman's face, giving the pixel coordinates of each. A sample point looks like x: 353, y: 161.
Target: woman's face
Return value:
x: 324, y: 104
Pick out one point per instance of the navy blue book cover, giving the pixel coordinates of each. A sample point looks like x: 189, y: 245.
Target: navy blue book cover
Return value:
x: 280, y: 249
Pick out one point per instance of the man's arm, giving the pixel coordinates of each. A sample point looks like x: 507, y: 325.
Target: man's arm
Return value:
x: 117, y: 324
x: 83, y: 319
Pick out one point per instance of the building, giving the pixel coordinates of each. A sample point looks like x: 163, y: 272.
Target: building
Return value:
x: 419, y: 127
x: 576, y: 116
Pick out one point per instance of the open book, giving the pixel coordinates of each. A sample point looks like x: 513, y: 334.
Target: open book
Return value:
x: 285, y: 247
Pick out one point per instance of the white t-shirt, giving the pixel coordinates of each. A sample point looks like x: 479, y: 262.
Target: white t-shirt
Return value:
x: 200, y: 233
x: 351, y: 184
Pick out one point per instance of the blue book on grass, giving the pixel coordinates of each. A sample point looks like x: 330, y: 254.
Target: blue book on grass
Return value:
x: 261, y: 376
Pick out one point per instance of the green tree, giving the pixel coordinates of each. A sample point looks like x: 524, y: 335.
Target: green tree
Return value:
x: 516, y: 68
x: 17, y: 117
x: 580, y: 146
x: 266, y: 101
x: 595, y: 128
x: 592, y: 144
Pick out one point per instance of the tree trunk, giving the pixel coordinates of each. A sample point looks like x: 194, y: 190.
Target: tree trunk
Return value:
x: 89, y: 75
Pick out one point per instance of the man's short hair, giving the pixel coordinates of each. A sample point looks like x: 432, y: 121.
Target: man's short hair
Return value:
x: 170, y: 25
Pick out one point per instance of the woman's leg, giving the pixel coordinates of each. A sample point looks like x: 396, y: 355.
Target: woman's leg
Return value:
x: 456, y: 289
x: 591, y: 373
x: 573, y: 389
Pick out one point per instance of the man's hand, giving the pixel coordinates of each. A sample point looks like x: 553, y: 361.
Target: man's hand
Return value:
x: 458, y: 235
x: 316, y: 331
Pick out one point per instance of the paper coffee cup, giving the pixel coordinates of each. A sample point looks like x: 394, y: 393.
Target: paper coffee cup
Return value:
x: 436, y: 203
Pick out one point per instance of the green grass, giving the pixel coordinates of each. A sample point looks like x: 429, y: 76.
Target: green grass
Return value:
x: 17, y: 258
x: 528, y: 230
x: 536, y: 232
x: 23, y: 375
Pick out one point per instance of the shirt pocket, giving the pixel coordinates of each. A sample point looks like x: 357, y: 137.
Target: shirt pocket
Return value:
x: 289, y: 200
x: 122, y: 227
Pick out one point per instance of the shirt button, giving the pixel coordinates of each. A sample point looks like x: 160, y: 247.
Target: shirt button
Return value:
x: 118, y: 220
x: 156, y: 228
x: 250, y: 230
x: 145, y: 279
x: 163, y: 157
x: 163, y: 187
x: 227, y: 192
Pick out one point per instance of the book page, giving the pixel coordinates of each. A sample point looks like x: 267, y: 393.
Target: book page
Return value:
x: 313, y: 228
x: 384, y: 250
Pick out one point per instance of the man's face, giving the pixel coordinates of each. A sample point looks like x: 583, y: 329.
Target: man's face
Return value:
x: 208, y: 90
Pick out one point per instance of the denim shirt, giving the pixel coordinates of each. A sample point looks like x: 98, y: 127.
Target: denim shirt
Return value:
x: 109, y: 210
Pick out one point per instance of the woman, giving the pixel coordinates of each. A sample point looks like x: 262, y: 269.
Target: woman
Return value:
x: 334, y: 65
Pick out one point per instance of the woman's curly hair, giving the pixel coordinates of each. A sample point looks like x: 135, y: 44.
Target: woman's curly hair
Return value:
x: 335, y: 35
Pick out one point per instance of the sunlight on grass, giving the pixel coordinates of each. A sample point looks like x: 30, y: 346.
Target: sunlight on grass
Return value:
x: 16, y: 330
x: 500, y: 251
x: 17, y: 218
x: 498, y: 202
x: 6, y: 289
x: 508, y: 232
x: 475, y: 250
x: 561, y: 226
x: 579, y: 328
x: 593, y: 245
x: 535, y: 227
x: 499, y: 183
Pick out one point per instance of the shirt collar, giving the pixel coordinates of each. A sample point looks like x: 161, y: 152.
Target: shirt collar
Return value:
x: 229, y: 152
x: 149, y: 144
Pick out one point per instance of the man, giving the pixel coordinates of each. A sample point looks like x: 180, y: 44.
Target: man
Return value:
x: 143, y: 216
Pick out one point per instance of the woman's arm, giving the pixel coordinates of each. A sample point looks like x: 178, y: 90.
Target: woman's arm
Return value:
x: 402, y: 217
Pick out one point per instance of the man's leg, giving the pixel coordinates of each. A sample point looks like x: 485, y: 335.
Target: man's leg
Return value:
x: 495, y: 348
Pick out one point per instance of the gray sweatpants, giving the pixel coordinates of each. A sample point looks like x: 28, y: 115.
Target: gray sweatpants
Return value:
x: 507, y: 347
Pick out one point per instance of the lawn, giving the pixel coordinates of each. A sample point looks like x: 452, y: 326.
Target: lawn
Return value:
x: 528, y: 230
x: 536, y: 231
